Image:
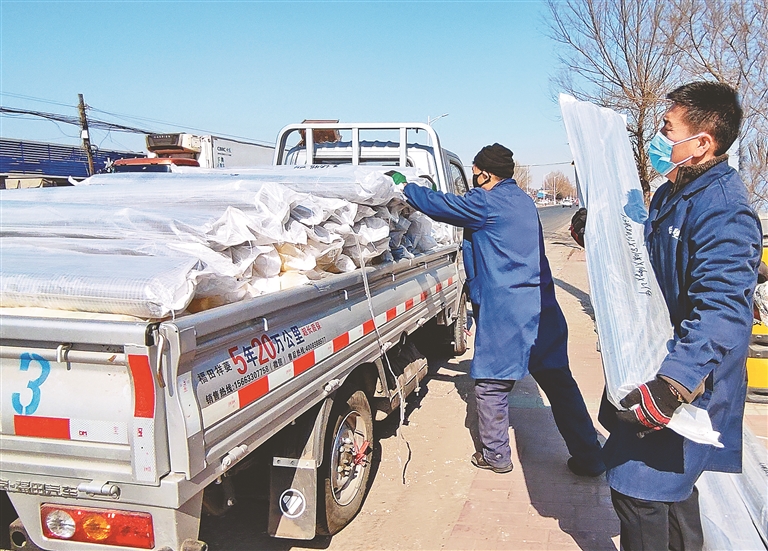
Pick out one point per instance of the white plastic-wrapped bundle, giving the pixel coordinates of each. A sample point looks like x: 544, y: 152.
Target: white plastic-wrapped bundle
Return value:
x: 227, y: 211
x: 365, y: 185
x: 238, y: 236
x: 734, y: 507
x: 142, y: 286
x: 631, y: 315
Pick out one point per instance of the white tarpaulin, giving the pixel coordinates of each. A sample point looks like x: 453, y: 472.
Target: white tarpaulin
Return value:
x: 151, y: 245
x: 734, y: 507
x: 631, y: 316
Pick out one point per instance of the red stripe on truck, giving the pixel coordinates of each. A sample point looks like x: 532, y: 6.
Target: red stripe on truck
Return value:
x: 340, y: 342
x: 302, y: 363
x: 253, y: 391
x: 41, y: 427
x: 143, y: 386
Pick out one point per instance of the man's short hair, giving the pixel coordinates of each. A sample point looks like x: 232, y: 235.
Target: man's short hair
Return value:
x: 710, y: 107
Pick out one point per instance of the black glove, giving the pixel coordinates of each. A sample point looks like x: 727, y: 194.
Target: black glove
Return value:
x: 650, y: 406
x: 578, y: 223
x: 762, y: 273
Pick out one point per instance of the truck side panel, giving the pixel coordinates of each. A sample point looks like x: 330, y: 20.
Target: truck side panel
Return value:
x: 253, y: 379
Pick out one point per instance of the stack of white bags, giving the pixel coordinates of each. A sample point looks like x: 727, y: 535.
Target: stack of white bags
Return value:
x: 155, y: 245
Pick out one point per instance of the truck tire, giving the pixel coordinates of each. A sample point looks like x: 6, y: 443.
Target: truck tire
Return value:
x: 459, y: 328
x: 346, y: 469
x: 7, y: 516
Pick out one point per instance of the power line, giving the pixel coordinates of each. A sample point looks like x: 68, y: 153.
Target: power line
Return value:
x: 185, y: 127
x: 68, y: 119
x: 106, y: 125
x: 41, y: 100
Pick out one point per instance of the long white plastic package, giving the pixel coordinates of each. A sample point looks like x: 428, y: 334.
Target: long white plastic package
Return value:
x: 172, y: 242
x: 631, y: 315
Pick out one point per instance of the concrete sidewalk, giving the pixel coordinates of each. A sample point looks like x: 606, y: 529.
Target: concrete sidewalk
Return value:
x: 541, y: 504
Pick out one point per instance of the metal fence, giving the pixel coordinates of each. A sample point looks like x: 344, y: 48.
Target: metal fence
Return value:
x: 25, y: 157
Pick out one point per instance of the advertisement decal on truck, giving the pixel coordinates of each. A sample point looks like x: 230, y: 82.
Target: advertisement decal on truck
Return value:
x: 222, y: 392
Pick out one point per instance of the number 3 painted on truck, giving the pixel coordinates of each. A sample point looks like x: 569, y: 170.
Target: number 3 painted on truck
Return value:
x: 34, y: 386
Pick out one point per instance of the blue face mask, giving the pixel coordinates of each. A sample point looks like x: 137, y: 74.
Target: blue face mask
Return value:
x: 660, y: 152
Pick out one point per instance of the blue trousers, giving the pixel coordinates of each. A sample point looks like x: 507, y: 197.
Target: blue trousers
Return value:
x: 568, y: 408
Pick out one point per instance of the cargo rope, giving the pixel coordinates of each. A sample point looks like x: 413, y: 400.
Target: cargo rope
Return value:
x: 400, y: 392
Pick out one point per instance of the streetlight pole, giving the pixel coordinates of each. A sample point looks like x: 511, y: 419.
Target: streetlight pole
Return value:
x: 554, y: 186
x: 431, y: 121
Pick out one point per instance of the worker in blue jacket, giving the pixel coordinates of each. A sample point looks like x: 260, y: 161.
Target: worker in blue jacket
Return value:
x: 520, y: 327
x: 704, y: 242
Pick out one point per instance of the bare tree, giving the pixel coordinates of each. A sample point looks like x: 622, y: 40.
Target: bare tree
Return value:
x: 523, y: 176
x: 614, y: 53
x: 559, y: 185
x: 728, y: 40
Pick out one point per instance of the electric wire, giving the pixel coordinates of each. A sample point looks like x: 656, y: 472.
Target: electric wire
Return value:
x: 106, y: 125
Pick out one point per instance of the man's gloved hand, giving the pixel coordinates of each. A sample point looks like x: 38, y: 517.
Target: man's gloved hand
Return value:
x: 650, y: 406
x: 398, y: 178
x: 578, y: 223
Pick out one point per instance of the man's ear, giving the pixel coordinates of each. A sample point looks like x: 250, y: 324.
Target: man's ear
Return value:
x: 706, y: 144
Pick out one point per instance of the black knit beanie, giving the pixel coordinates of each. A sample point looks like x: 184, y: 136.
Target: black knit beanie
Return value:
x: 496, y: 159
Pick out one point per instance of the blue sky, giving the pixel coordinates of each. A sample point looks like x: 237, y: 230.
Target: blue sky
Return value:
x: 249, y: 68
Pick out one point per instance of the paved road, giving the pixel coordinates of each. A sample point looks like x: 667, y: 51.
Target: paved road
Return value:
x: 554, y: 218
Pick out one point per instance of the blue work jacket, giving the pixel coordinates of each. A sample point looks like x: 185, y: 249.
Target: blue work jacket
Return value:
x: 518, y: 321
x: 704, y: 242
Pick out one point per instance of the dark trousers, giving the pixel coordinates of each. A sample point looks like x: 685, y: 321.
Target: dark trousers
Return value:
x: 571, y: 416
x: 659, y: 525
x: 568, y: 409
x: 492, y: 397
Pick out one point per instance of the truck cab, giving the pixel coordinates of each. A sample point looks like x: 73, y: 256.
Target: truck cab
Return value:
x: 341, y: 143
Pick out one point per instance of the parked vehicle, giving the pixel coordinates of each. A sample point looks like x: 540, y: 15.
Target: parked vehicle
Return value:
x: 757, y: 359
x: 207, y: 151
x: 152, y: 164
x: 117, y: 434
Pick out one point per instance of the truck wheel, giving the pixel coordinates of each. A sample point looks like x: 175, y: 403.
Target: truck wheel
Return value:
x: 459, y: 328
x: 346, y: 468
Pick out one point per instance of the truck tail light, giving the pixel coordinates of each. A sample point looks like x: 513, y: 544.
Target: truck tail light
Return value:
x: 104, y: 526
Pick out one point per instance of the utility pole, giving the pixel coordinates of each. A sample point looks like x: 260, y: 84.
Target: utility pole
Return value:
x: 84, y: 134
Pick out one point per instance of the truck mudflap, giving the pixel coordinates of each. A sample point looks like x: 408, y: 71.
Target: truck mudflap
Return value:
x: 293, y: 476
